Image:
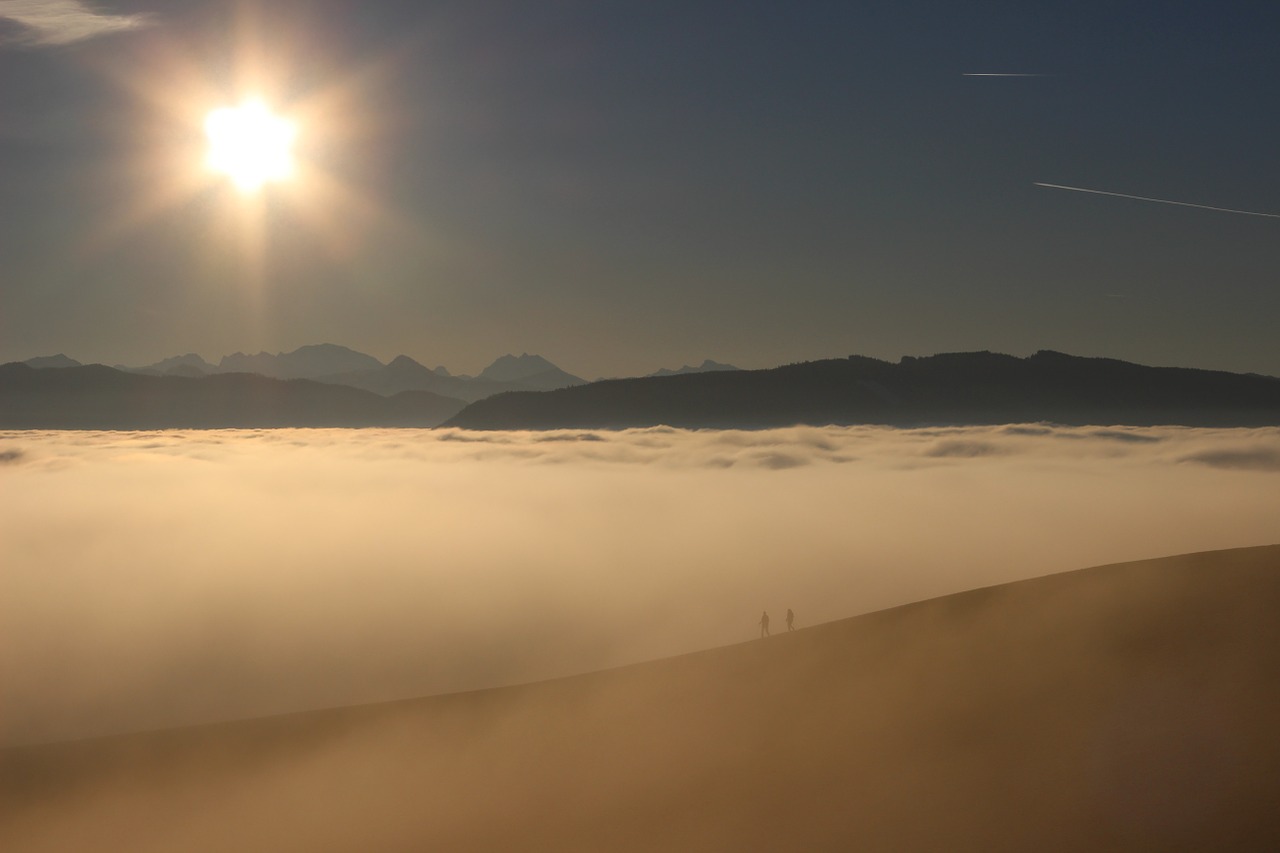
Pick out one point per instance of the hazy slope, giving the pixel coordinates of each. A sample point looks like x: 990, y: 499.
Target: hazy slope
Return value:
x: 1123, y: 707
x: 954, y: 388
x: 100, y: 397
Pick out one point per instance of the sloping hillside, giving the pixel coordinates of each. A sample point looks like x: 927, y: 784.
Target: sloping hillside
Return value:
x: 1125, y: 707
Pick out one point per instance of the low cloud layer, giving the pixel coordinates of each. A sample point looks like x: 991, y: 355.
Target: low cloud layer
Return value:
x: 56, y: 22
x: 152, y: 579
x: 1258, y: 457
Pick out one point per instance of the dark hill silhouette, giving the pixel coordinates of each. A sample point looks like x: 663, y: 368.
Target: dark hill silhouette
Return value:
x: 957, y: 388
x: 524, y: 368
x: 100, y: 397
x: 44, y: 361
x: 1124, y: 707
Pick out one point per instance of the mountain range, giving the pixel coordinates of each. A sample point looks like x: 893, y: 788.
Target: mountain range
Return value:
x: 509, y: 373
x: 707, y: 366
x: 339, y: 365
x: 947, y: 389
x: 265, y: 390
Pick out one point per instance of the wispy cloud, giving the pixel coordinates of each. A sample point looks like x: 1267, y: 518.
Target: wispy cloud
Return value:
x: 57, y: 22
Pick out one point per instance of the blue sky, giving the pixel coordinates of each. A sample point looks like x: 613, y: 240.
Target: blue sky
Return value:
x: 622, y: 185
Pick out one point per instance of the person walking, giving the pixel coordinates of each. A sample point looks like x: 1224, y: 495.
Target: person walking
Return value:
x: 791, y: 618
x: 764, y: 624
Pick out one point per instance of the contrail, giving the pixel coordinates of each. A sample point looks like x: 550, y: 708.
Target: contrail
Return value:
x: 1159, y: 200
x: 1000, y: 74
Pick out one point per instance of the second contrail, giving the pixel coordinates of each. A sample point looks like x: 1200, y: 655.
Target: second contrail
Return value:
x: 1158, y: 200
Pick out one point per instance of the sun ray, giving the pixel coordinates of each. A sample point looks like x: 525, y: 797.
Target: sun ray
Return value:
x: 250, y: 145
x: 243, y: 223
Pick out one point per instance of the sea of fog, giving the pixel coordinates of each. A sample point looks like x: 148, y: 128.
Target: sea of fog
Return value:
x: 162, y: 578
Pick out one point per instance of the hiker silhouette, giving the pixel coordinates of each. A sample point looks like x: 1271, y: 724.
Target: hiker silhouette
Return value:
x: 764, y: 624
x: 791, y: 617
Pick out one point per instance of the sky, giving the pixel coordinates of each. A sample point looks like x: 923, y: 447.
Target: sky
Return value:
x: 623, y: 186
x: 163, y: 578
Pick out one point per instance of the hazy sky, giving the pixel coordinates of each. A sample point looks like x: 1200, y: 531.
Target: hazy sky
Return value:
x: 160, y: 578
x: 620, y: 186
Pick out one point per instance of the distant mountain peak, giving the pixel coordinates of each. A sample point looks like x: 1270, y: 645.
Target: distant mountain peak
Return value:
x: 512, y: 368
x: 707, y: 366
x: 182, y: 363
x: 307, y: 362
x: 311, y: 349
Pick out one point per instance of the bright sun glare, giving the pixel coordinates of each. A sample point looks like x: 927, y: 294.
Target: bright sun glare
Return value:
x: 250, y: 144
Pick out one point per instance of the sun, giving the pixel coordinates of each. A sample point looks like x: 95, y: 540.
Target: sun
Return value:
x: 250, y: 145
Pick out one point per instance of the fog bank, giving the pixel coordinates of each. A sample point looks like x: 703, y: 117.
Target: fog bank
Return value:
x: 161, y: 578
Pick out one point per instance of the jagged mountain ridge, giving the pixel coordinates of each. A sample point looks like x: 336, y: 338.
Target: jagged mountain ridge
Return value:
x: 955, y: 388
x: 707, y: 366
x: 338, y: 365
x: 946, y: 389
x: 308, y: 362
x: 189, y: 364
x: 405, y: 374
x: 511, y: 368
